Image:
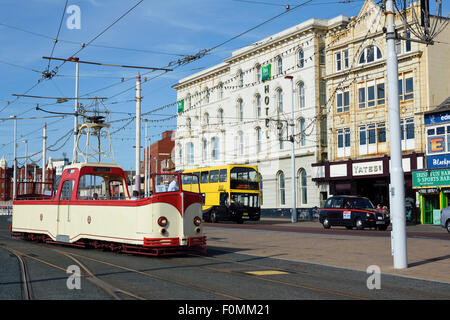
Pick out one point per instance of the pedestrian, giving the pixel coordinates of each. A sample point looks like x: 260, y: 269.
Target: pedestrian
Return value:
x: 135, y: 195
x: 173, y: 186
x: 95, y: 196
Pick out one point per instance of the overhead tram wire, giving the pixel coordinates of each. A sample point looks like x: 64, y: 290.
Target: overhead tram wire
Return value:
x: 84, y: 45
x: 57, y: 34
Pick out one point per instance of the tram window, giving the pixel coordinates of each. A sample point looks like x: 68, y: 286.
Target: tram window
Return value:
x: 66, y: 190
x: 204, y: 177
x: 223, y: 175
x: 214, y: 176
x: 93, y: 187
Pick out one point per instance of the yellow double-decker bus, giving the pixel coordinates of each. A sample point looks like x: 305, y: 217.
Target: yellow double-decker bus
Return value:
x: 230, y: 192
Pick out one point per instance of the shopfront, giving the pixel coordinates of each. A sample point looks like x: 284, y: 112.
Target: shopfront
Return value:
x: 433, y: 186
x: 370, y: 178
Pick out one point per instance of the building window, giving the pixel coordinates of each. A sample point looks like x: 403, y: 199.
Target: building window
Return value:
x: 258, y: 140
x: 370, y: 54
x: 369, y: 136
x: 215, y: 148
x: 403, y: 46
x: 220, y: 116
x: 281, y: 134
x: 280, y: 65
x: 258, y: 73
x: 341, y: 59
x: 241, y: 79
x: 302, y: 185
x: 190, y: 153
x: 342, y: 101
x: 281, y: 188
x: 301, y: 58
x: 258, y: 105
x: 406, y: 87
x: 205, y: 150
x: 206, y: 119
x: 301, y: 95
x: 322, y: 54
x: 240, y: 143
x: 301, y: 124
x: 220, y: 90
x: 188, y: 124
x: 371, y: 93
x: 280, y: 99
x: 240, y: 110
x: 323, y: 93
x: 407, y: 133
x: 343, y: 137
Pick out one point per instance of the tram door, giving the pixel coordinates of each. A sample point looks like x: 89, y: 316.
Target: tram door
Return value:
x: 431, y: 202
x: 64, y: 211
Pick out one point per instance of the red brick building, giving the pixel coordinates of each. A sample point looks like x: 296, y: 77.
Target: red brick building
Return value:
x: 33, y: 173
x: 161, y: 154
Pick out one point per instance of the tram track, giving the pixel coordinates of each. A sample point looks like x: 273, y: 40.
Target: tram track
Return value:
x: 26, y: 286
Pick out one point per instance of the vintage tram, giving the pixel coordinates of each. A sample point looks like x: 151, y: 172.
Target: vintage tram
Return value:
x: 92, y: 206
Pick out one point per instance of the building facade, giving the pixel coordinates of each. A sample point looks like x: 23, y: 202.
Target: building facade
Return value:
x: 357, y: 108
x: 239, y: 112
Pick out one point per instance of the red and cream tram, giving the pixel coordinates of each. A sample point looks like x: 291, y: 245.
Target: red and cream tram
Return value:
x: 92, y: 207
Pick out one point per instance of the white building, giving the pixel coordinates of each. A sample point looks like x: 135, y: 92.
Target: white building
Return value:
x: 237, y: 111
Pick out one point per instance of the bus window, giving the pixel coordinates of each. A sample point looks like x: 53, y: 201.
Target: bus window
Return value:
x: 187, y: 179
x: 197, y: 174
x: 244, y: 178
x: 204, y: 177
x: 190, y: 183
x: 223, y: 175
x: 214, y: 176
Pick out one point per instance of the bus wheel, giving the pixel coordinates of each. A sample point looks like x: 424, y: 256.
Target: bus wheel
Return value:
x: 213, y: 216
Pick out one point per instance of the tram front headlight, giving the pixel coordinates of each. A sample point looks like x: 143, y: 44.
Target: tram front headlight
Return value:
x: 197, y: 221
x: 162, y: 221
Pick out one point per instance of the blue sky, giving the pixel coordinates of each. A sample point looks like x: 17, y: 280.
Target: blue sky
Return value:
x: 153, y: 34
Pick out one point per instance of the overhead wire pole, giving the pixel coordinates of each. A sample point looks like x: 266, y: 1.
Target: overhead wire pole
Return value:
x: 137, y: 179
x: 75, y: 116
x: 397, y: 188
x: 15, y: 158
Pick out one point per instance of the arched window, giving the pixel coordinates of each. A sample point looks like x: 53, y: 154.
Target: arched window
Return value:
x: 258, y: 73
x: 190, y: 153
x: 258, y: 139
x: 205, y: 150
x: 280, y: 99
x: 240, y: 110
x: 281, y: 134
x: 370, y: 54
x: 301, y: 131
x: 215, y: 148
x: 206, y: 119
x: 302, y: 186
x: 301, y: 95
x: 240, y: 143
x: 280, y: 65
x: 281, y: 188
x: 301, y: 58
x: 180, y: 154
x: 220, y: 94
x: 188, y: 124
x: 220, y: 116
x: 241, y: 78
x: 258, y: 105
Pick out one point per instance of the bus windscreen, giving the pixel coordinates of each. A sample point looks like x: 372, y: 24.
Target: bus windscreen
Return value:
x: 244, y: 178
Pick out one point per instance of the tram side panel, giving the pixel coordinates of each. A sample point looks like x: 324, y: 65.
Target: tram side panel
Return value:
x: 37, y: 218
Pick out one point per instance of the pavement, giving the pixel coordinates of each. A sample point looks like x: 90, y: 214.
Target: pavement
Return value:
x: 428, y: 258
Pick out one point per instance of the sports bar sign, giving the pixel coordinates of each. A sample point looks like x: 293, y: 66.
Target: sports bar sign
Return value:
x: 431, y: 178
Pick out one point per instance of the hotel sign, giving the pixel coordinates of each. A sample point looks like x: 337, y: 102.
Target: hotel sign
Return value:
x: 266, y: 74
x: 367, y: 168
x: 431, y: 178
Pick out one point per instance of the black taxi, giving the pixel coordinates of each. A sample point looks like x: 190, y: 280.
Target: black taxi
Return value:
x: 352, y: 211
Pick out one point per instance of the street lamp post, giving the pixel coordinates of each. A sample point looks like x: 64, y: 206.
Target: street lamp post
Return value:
x: 294, y: 205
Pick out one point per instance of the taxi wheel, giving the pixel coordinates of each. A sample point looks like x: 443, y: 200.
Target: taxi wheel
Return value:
x: 448, y: 226
x: 359, y: 224
x: 326, y: 223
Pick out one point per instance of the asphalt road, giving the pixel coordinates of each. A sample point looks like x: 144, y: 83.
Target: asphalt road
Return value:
x: 217, y: 276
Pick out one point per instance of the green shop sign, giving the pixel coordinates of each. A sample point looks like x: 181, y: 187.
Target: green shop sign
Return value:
x: 265, y: 72
x: 180, y: 105
x: 431, y: 178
